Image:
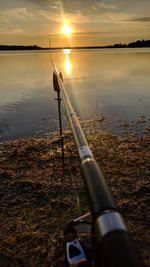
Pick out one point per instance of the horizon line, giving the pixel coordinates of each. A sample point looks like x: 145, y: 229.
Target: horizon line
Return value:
x: 136, y: 43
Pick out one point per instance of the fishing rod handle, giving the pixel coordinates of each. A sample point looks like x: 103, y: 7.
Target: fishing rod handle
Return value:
x: 114, y: 248
x: 114, y: 245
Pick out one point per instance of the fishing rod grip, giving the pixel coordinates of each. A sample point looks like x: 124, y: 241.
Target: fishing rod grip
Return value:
x: 116, y: 249
x: 113, y: 243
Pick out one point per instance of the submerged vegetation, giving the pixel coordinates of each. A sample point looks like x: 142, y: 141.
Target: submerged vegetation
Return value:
x: 37, y: 195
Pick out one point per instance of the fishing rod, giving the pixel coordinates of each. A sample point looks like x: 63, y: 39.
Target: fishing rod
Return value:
x: 112, y: 245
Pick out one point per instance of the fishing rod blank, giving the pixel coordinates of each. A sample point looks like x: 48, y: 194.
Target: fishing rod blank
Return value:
x: 112, y: 243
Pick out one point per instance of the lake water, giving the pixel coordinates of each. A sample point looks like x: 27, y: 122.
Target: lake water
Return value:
x: 109, y: 82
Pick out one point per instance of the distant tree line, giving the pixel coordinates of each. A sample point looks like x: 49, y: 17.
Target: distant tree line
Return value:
x: 138, y: 43
x: 19, y: 47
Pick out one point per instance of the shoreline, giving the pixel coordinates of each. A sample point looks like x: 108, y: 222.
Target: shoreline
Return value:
x: 102, y: 123
x: 136, y: 44
x: 37, y: 196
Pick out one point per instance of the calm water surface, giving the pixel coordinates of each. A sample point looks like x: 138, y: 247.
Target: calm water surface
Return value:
x: 109, y: 82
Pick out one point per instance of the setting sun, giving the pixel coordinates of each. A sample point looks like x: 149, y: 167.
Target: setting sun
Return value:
x: 67, y: 30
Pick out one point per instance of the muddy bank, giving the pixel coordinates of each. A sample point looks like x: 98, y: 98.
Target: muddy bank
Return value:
x: 37, y: 196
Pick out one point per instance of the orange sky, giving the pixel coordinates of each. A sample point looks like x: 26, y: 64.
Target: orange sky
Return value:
x: 94, y: 22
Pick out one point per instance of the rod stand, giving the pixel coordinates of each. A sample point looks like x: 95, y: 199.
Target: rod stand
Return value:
x: 58, y: 99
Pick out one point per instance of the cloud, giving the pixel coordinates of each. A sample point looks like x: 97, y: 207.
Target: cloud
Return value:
x: 20, y: 14
x: 25, y: 21
x: 73, y: 17
x: 146, y: 19
x: 102, y: 5
x: 117, y: 17
x: 69, y: 6
x: 45, y: 4
x: 40, y: 2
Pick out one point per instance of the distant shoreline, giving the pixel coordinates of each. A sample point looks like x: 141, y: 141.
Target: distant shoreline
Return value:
x: 137, y: 44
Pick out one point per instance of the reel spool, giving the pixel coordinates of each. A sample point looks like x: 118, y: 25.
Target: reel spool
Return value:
x: 78, y: 238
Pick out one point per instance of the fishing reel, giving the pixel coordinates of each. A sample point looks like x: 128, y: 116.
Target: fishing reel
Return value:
x: 78, y: 238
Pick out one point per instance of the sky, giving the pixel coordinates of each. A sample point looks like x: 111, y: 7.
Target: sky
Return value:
x: 93, y: 22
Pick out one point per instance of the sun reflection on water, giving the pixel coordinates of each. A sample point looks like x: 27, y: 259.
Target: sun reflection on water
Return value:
x: 67, y: 51
x: 67, y: 62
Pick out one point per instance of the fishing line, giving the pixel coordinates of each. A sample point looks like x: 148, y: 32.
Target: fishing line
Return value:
x: 76, y: 194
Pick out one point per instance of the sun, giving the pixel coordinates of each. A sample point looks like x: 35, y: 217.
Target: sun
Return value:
x: 67, y: 30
